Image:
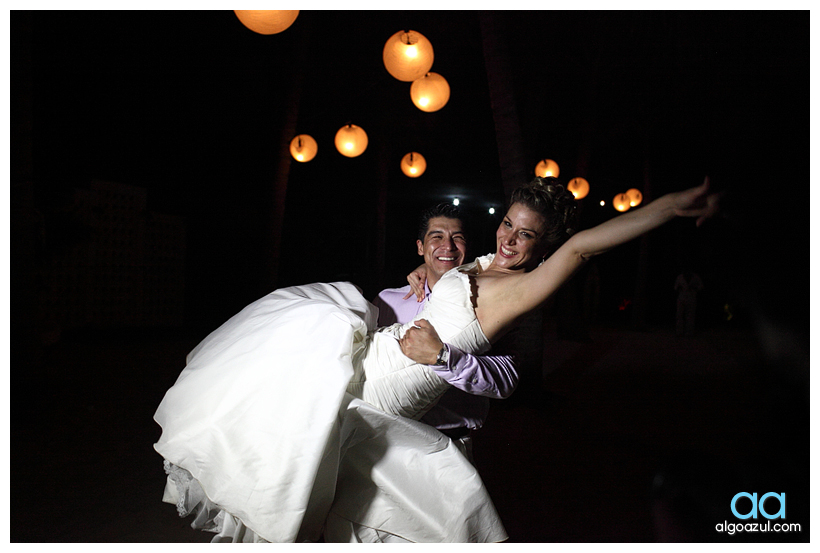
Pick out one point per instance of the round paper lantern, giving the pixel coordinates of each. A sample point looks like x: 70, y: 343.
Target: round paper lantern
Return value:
x: 546, y: 168
x: 413, y: 165
x: 621, y: 202
x: 267, y: 22
x: 408, y: 55
x: 430, y: 93
x: 579, y: 187
x: 351, y: 140
x: 635, y: 197
x: 303, y: 148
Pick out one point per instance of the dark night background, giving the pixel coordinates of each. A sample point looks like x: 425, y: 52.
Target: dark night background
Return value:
x: 193, y: 113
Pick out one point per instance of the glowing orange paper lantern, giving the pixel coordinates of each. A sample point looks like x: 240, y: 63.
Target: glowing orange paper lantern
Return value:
x: 579, y: 187
x: 267, y: 22
x: 547, y: 168
x: 621, y: 202
x: 351, y: 140
x: 635, y: 197
x: 408, y: 55
x: 413, y: 165
x: 303, y: 148
x: 430, y: 93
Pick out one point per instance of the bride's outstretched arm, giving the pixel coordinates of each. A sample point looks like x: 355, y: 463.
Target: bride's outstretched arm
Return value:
x: 535, y: 287
x: 695, y: 202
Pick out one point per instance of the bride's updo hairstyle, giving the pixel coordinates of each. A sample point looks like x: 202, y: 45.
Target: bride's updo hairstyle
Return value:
x: 550, y: 198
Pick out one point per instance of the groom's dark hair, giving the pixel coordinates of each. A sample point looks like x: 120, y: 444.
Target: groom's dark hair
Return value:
x: 441, y: 210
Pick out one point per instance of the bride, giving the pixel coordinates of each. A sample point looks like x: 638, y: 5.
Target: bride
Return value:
x: 294, y: 419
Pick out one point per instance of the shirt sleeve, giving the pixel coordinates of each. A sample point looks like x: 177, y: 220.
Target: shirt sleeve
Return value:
x: 483, y: 375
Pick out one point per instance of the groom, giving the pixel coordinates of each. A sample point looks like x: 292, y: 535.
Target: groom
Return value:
x: 475, y: 379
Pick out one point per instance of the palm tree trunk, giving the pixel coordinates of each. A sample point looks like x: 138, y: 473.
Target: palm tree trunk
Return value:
x: 502, y: 100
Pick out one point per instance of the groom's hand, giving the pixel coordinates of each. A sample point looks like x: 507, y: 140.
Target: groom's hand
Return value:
x: 421, y: 343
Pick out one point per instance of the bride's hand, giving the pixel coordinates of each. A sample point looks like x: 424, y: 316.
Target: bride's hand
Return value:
x: 417, y: 279
x: 697, y: 202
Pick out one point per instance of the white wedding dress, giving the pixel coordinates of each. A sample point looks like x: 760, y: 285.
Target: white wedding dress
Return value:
x: 296, y: 413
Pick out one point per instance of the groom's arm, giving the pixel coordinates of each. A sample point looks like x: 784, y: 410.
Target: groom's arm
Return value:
x: 483, y: 375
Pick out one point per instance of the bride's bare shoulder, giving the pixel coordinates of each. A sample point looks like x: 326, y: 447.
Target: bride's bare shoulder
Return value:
x: 494, y: 299
x: 496, y: 286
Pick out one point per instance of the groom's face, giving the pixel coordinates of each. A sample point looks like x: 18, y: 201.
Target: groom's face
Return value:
x: 443, y: 247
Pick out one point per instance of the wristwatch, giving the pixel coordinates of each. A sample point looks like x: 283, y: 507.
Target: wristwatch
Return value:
x: 443, y: 356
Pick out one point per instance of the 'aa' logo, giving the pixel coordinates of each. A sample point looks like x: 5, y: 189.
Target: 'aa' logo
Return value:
x: 759, y: 505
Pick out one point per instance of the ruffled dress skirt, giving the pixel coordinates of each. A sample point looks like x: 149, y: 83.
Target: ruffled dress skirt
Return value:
x: 264, y: 441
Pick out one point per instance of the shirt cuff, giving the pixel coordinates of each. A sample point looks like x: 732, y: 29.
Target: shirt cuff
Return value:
x: 455, y: 355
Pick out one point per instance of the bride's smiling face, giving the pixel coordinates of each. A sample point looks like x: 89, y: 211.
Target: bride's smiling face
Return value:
x: 518, y: 239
